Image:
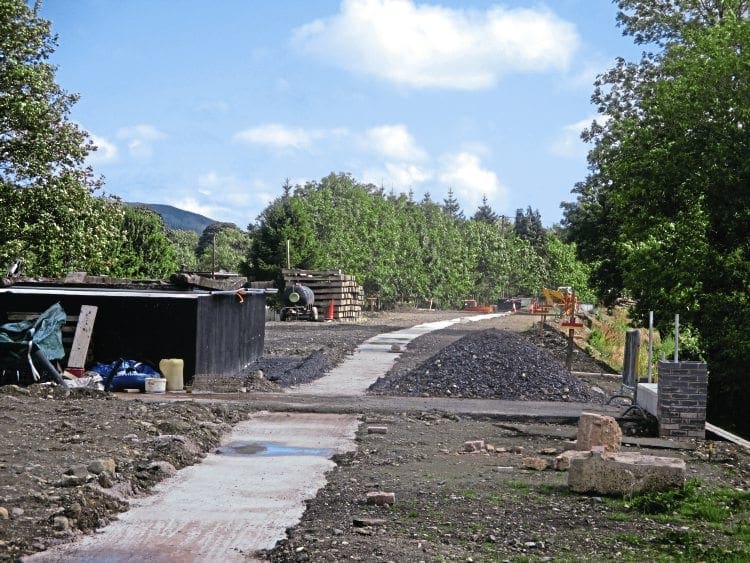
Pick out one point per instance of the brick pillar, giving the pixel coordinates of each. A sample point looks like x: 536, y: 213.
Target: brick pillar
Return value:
x: 681, y: 399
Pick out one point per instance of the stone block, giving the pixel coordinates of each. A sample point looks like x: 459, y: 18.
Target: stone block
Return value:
x: 381, y: 499
x: 598, y: 430
x: 98, y: 466
x: 377, y: 430
x: 562, y: 461
x: 534, y: 462
x: 620, y: 473
x: 474, y: 446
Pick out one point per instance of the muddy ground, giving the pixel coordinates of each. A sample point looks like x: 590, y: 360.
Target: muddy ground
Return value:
x: 71, y: 460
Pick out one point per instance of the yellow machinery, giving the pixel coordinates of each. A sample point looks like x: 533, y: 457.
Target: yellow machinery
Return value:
x: 564, y: 298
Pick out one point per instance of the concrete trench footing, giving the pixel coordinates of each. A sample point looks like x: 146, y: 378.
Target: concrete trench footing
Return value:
x: 230, y: 505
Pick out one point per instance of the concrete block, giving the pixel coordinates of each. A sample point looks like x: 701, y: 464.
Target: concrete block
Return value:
x: 562, y: 461
x: 598, y: 430
x: 647, y: 397
x: 620, y: 473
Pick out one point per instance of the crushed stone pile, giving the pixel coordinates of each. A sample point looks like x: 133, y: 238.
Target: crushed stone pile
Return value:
x: 491, y: 364
x: 288, y: 371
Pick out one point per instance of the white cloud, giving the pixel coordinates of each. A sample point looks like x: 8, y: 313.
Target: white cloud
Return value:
x: 140, y: 139
x: 407, y: 174
x: 106, y: 151
x: 226, y: 197
x: 421, y: 45
x: 394, y: 142
x: 463, y: 172
x: 193, y: 205
x: 398, y: 176
x: 279, y: 136
x: 403, y: 166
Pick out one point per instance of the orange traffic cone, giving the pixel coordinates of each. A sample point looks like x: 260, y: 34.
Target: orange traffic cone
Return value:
x: 329, y: 312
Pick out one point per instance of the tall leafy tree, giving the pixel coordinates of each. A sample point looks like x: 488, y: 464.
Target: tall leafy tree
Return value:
x: 185, y: 243
x: 665, y: 210
x: 284, y: 224
x: 146, y: 251
x: 222, y: 246
x: 50, y: 217
x: 528, y: 226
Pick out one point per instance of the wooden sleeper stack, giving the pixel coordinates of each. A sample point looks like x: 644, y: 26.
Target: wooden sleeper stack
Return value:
x: 327, y: 285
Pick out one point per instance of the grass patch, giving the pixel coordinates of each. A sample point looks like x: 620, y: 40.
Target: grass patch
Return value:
x: 688, y: 512
x: 694, y: 502
x: 518, y: 485
x: 619, y: 517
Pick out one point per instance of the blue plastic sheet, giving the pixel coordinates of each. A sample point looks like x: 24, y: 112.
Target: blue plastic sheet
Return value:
x: 125, y: 374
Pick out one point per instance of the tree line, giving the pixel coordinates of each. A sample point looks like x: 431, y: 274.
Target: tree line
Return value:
x: 404, y: 250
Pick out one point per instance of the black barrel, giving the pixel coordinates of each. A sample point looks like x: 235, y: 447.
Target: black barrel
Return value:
x: 298, y: 295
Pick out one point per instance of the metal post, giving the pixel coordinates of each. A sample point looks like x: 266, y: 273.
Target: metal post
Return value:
x: 650, y: 345
x: 677, y: 338
x: 569, y: 351
x: 630, y: 362
x: 288, y: 260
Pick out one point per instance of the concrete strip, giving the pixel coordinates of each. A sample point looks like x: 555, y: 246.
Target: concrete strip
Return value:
x: 230, y: 505
x: 373, y: 358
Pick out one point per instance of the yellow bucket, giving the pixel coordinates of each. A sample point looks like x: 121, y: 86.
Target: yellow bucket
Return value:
x: 171, y: 369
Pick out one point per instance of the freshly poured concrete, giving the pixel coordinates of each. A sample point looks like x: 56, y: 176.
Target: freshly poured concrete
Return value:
x: 373, y: 358
x: 232, y: 503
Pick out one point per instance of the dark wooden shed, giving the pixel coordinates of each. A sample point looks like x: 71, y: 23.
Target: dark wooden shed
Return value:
x: 213, y: 332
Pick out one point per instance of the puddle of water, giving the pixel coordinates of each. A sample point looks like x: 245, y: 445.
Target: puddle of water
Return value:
x: 269, y: 449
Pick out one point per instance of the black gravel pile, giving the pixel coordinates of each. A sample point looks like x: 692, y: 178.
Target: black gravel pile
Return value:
x: 490, y: 364
x: 289, y: 370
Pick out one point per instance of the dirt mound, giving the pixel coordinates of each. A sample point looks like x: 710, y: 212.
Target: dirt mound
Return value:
x: 70, y: 459
x: 492, y: 364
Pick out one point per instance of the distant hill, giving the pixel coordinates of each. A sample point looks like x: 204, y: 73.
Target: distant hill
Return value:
x: 179, y: 219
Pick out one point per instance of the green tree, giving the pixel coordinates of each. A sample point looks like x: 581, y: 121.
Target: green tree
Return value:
x: 146, y: 251
x: 665, y: 210
x: 185, y: 243
x: 223, y: 246
x: 564, y: 268
x: 451, y: 206
x: 50, y: 217
x: 528, y: 226
x: 485, y: 213
x: 284, y: 224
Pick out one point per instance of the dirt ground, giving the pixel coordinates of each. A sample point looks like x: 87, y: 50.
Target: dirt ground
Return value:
x: 71, y: 460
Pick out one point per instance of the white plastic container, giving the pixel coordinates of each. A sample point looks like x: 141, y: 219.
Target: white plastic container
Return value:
x: 156, y: 385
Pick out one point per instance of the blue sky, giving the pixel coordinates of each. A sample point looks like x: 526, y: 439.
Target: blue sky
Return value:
x: 210, y: 106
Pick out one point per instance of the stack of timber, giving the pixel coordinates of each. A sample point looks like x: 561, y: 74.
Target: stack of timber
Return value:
x: 331, y: 285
